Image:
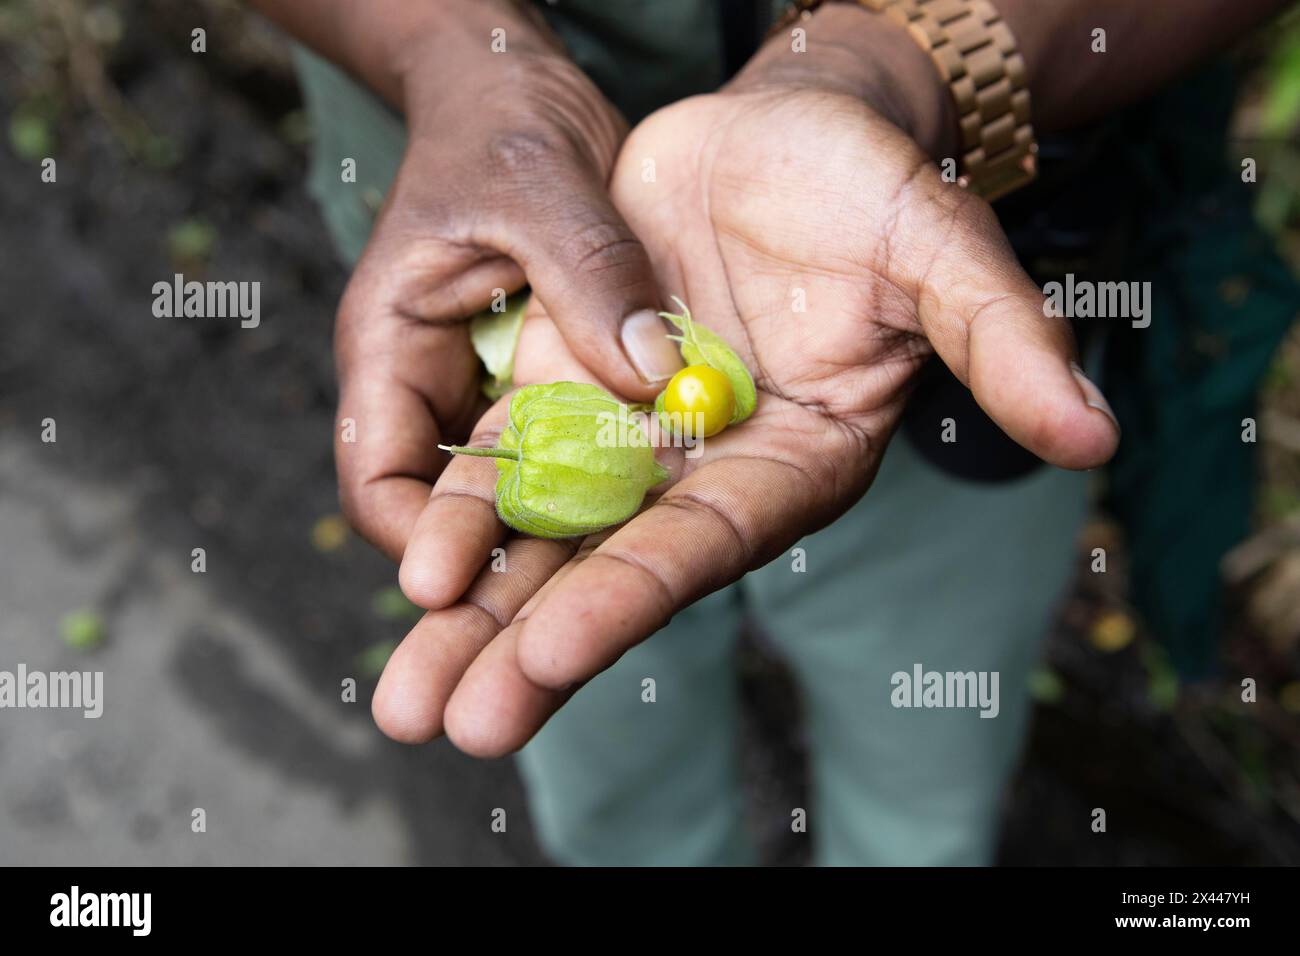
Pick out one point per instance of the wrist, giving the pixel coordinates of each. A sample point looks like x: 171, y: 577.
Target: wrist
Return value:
x: 517, y: 89
x: 410, y: 53
x: 855, y: 52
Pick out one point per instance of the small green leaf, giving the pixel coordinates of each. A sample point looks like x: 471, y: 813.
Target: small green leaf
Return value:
x: 391, y: 604
x: 1162, y: 679
x: 372, y: 661
x: 31, y: 136
x: 1162, y: 691
x: 1281, y: 104
x: 158, y: 152
x: 191, y: 241
x: 495, y: 336
x: 1045, y: 686
x: 701, y: 346
x: 82, y: 630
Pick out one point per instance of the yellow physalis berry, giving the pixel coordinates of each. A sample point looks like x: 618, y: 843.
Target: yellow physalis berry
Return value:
x: 701, y: 399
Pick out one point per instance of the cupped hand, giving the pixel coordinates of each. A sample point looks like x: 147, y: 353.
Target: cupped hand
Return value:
x: 822, y: 244
x: 504, y: 180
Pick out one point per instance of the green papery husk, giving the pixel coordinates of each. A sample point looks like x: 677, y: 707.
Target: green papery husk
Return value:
x: 665, y: 420
x: 702, y: 346
x: 495, y: 337
x: 572, y: 461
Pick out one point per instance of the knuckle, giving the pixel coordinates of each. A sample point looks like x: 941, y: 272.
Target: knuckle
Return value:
x: 350, y: 500
x: 599, y: 247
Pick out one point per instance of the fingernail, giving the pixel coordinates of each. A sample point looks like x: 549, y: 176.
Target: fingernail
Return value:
x: 1092, y: 394
x: 645, y: 341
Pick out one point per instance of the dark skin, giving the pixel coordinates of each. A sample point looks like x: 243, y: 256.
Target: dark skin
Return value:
x: 522, y: 196
x: 895, y: 263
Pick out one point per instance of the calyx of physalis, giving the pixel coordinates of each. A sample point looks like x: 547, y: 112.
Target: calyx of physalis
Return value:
x: 697, y: 397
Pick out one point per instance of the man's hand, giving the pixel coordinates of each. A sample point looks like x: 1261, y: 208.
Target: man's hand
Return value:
x: 504, y: 180
x: 776, y: 192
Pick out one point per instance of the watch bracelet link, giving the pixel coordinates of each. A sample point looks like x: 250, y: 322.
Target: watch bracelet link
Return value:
x: 977, y: 56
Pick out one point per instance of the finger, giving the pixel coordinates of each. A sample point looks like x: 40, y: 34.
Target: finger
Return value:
x: 495, y: 709
x: 594, y: 278
x: 986, y: 319
x: 470, y: 291
x: 457, y: 526
x: 386, y: 436
x: 403, y: 381
x: 729, y: 516
x: 543, y: 356
x: 416, y: 263
x: 422, y: 672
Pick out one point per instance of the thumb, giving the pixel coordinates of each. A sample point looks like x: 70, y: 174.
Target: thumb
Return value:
x: 594, y: 279
x: 986, y: 319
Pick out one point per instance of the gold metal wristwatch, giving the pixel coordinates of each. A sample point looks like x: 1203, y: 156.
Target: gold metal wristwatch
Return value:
x: 976, y: 54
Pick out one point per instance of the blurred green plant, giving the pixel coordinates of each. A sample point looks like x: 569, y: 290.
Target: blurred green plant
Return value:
x: 1278, y: 205
x: 390, y: 604
x: 82, y: 630
x: 63, y: 49
x: 1162, y: 680
x: 329, y: 533
x: 32, y: 128
x: 371, y: 661
x: 1279, y: 502
x: 1281, y: 105
x: 190, y: 243
x: 1046, y: 686
x: 295, y: 128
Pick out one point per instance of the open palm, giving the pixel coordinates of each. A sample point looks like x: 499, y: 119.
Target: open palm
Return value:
x: 824, y: 247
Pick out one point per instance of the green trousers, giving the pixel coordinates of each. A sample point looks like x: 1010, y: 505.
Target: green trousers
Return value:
x: 928, y: 570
